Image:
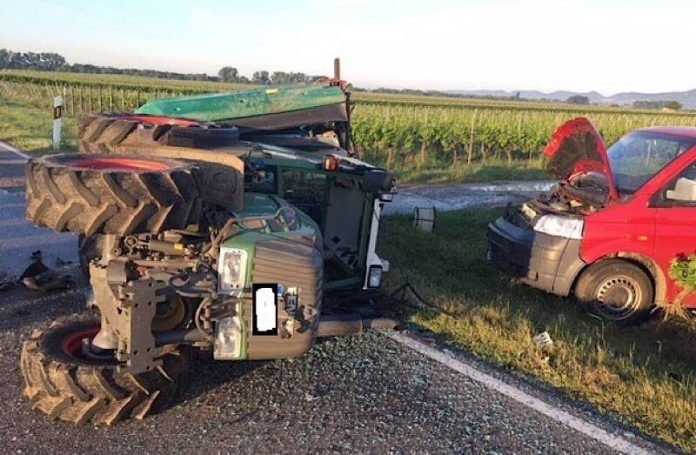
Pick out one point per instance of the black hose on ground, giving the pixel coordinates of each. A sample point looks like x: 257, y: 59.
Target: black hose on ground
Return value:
x: 407, y: 286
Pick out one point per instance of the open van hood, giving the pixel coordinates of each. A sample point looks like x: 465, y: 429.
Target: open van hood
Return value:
x: 577, y: 148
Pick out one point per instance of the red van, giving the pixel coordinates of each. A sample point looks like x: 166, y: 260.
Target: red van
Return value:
x: 609, y: 230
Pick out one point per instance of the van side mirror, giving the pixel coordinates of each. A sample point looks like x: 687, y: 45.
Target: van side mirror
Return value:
x: 684, y: 191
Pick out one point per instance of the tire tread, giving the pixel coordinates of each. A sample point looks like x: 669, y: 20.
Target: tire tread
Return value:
x: 99, y: 394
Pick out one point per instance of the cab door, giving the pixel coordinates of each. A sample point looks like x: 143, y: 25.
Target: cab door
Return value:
x: 675, y: 229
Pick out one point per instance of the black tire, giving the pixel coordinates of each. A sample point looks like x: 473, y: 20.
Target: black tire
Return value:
x: 101, y: 133
x: 616, y: 290
x: 94, y: 194
x: 82, y: 390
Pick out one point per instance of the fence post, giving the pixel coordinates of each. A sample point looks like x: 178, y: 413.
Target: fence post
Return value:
x: 471, y: 139
x: 57, y: 122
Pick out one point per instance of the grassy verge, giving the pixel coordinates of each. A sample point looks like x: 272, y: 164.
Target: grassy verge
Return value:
x: 644, y: 376
x: 30, y: 128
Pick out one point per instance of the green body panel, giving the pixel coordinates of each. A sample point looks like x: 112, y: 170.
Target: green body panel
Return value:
x: 261, y: 205
x: 237, y: 105
x: 244, y: 348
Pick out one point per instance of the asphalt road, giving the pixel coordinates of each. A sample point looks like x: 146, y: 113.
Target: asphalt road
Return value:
x: 18, y: 238
x: 365, y: 393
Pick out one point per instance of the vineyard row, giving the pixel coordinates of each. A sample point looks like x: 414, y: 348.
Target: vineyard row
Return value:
x: 398, y: 135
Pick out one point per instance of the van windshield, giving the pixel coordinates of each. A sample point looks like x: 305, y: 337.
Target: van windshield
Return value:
x: 638, y: 156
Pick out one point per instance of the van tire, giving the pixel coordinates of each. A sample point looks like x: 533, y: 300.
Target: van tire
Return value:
x: 603, y: 287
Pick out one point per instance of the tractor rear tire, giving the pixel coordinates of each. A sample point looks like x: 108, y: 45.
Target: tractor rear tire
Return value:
x: 101, y: 133
x: 121, y: 195
x: 77, y: 389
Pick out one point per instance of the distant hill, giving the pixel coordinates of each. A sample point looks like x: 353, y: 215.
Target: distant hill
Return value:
x: 687, y: 98
x: 559, y: 95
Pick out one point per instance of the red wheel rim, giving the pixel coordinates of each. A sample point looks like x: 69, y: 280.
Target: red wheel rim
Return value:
x: 72, y: 344
x: 158, y: 120
x: 120, y: 164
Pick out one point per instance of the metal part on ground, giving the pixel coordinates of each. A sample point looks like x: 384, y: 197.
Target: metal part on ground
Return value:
x: 342, y: 325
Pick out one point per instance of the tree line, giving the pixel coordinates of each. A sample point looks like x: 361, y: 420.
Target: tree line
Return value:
x: 51, y: 61
x: 263, y: 77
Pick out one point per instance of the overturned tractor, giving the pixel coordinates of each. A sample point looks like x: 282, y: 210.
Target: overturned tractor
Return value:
x: 218, y: 222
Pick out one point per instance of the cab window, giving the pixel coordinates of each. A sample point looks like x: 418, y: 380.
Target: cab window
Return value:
x: 305, y: 190
x: 259, y: 178
x: 637, y: 157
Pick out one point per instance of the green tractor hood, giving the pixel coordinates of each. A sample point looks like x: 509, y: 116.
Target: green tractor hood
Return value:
x: 264, y: 108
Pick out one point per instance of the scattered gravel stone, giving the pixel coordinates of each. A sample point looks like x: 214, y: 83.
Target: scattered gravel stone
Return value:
x: 362, y: 393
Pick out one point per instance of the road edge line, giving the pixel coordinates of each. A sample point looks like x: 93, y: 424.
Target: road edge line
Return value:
x: 8, y: 148
x: 588, y: 429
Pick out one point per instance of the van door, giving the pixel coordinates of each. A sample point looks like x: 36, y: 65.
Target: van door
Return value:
x: 675, y: 230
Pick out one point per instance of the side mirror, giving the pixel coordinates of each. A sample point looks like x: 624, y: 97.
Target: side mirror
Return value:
x: 377, y: 180
x: 684, y: 191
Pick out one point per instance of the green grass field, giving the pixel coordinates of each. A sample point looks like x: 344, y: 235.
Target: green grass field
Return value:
x: 30, y: 128
x: 119, y: 80
x: 644, y: 376
x: 421, y: 138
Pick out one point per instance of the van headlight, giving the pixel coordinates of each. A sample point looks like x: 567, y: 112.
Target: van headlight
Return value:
x: 560, y: 226
x: 231, y: 270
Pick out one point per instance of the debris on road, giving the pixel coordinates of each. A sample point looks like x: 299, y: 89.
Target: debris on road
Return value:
x: 543, y: 341
x: 424, y: 218
x: 5, y: 281
x: 38, y: 277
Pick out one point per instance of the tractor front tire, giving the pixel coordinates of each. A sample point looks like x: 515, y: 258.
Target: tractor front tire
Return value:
x: 66, y: 385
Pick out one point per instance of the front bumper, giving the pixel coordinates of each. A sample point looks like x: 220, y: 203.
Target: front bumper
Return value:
x: 543, y: 261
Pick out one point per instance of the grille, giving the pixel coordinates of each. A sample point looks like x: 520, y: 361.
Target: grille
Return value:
x: 292, y: 264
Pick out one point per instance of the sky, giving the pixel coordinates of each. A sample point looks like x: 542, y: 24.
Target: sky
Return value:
x: 608, y: 46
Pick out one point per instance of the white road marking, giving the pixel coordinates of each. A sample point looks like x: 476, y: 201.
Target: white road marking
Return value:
x: 612, y: 441
x: 8, y: 148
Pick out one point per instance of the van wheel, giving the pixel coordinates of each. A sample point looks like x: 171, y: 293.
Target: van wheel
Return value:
x: 616, y: 290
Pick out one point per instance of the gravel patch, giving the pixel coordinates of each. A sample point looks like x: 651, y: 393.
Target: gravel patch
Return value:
x: 465, y: 196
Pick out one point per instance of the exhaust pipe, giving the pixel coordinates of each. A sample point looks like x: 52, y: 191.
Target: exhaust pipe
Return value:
x: 180, y: 336
x: 352, y: 324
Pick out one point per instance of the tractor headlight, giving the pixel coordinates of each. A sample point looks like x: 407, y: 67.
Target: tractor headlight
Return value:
x: 560, y: 226
x: 374, y: 279
x: 232, y: 270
